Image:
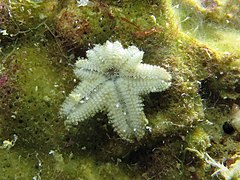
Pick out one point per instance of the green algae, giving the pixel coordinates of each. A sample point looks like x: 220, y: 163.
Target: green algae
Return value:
x: 84, y: 25
x: 40, y: 166
x: 14, y: 166
x: 195, y: 41
x: 33, y: 102
x: 26, y: 15
x: 216, y: 25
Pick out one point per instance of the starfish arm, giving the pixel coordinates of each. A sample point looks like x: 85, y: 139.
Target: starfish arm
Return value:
x: 146, y: 71
x: 83, y: 64
x: 110, y: 55
x: 134, y: 109
x: 136, y: 118
x: 145, y: 86
x: 83, y: 110
x: 133, y: 56
x: 80, y: 94
x: 116, y: 113
x: 87, y: 74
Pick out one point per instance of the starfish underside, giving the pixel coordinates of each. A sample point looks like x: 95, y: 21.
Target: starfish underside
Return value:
x: 113, y: 81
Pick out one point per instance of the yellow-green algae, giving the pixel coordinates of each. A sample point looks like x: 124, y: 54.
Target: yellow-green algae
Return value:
x: 194, y: 40
x: 216, y: 22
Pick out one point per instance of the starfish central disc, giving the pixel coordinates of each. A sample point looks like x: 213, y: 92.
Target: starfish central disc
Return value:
x: 112, y: 73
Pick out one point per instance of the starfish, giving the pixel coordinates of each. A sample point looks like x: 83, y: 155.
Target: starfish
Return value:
x: 113, y: 81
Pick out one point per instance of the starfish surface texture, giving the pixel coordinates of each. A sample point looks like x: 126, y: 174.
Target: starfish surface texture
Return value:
x: 113, y: 81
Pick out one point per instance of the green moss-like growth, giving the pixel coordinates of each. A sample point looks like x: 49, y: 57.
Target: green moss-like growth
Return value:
x: 13, y: 166
x: 84, y: 25
x: 27, y: 15
x: 57, y: 166
x: 215, y: 24
x: 31, y: 97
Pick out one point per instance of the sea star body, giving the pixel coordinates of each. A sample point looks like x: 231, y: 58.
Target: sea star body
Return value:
x: 113, y: 81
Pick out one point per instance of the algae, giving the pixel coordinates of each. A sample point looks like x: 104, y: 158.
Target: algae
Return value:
x: 197, y: 41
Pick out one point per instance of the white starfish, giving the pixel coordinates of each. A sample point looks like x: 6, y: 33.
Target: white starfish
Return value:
x: 113, y: 80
